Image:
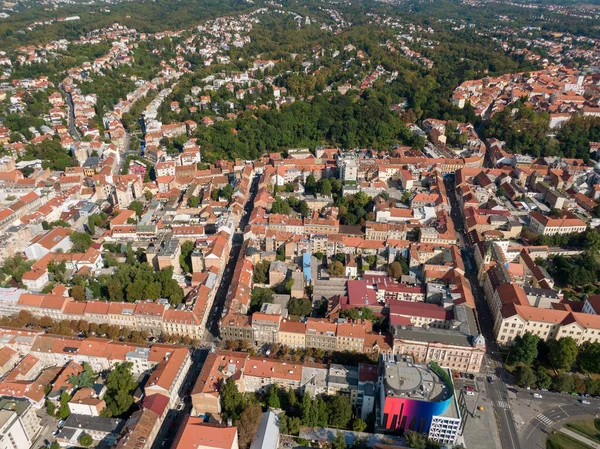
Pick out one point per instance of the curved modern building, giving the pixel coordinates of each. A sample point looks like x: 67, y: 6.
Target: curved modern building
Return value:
x: 412, y: 396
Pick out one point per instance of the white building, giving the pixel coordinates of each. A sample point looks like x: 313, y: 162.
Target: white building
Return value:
x: 19, y: 424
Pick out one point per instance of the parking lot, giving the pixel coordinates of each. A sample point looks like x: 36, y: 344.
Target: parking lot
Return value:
x: 480, y: 424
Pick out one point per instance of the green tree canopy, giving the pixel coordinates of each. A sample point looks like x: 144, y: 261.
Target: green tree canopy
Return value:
x: 81, y: 242
x: 524, y: 348
x: 563, y: 353
x: 120, y: 385
x: 137, y: 207
x: 525, y: 377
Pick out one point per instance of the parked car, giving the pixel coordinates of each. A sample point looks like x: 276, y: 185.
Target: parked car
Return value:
x: 469, y: 388
x: 537, y: 395
x: 583, y: 401
x: 470, y: 393
x: 490, y: 379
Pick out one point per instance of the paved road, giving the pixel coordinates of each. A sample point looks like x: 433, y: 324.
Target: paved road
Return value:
x: 212, y: 324
x: 493, y: 363
x: 535, y: 433
x: 169, y: 427
x: 71, y: 116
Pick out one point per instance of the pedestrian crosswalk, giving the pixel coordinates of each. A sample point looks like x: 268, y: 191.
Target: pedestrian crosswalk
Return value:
x: 502, y: 404
x: 544, y: 419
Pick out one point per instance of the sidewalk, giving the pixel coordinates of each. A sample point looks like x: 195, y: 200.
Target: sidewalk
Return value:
x: 580, y: 438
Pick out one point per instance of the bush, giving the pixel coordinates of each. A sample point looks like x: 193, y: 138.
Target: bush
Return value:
x: 300, y: 306
x: 85, y: 440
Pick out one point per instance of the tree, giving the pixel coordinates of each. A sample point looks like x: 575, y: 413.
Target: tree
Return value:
x: 50, y: 408
x: 579, y: 384
x: 115, y: 291
x: 152, y: 290
x: 193, y: 201
x: 93, y: 221
x: 300, y: 306
x: 84, y: 379
x: 343, y: 411
x: 311, y: 184
x: 81, y: 242
x: 563, y: 353
x: 172, y: 291
x: 85, y: 440
x: 308, y: 419
x: 231, y: 399
x: 588, y: 359
x: 291, y: 397
x: 592, y: 386
x: 325, y: 186
x: 273, y: 398
x: 280, y: 206
x: 260, y: 296
x: 261, y: 272
x: 394, y: 270
x: 185, y: 258
x: 119, y: 388
x: 304, y: 209
x: 45, y: 321
x: 337, y: 269
x: 543, y: 378
x: 525, y: 377
x: 524, y: 349
x: 63, y: 410
x: 563, y: 382
x: 322, y: 412
x: 78, y: 293
x: 415, y: 440
x: 339, y: 442
x: 16, y: 267
x: 294, y: 424
x: 248, y: 424
x: 227, y: 192
x: 358, y: 425
x: 137, y: 207
x: 283, y: 424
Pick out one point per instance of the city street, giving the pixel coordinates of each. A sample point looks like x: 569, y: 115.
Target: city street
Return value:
x: 493, y: 366
x: 556, y: 410
x: 71, y: 120
x: 169, y: 427
x: 212, y: 324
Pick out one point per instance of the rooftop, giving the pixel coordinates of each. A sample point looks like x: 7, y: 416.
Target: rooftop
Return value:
x: 403, y: 378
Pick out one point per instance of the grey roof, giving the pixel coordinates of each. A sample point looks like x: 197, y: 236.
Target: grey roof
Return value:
x: 94, y: 423
x: 19, y: 406
x: 343, y: 375
x: 431, y: 335
x: 548, y: 293
x: 267, y: 435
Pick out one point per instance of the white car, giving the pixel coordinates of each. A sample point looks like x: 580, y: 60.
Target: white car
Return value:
x: 470, y: 393
x: 537, y: 395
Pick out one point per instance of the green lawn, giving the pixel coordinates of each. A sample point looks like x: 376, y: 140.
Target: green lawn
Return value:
x: 562, y: 441
x: 586, y: 428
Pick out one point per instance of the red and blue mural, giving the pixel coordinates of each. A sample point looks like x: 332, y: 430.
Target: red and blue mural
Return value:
x: 411, y: 414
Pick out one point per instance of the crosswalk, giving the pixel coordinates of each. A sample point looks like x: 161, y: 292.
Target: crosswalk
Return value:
x: 544, y: 419
x: 502, y: 404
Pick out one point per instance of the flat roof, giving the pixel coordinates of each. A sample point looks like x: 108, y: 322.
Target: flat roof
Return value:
x: 402, y: 378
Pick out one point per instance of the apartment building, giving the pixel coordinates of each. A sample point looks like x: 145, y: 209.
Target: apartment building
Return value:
x: 19, y: 425
x: 569, y: 223
x: 321, y: 335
